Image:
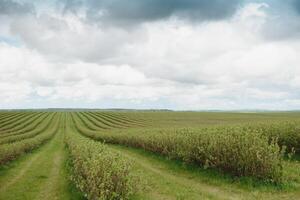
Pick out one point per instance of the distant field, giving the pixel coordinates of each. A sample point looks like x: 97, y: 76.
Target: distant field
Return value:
x: 149, y: 155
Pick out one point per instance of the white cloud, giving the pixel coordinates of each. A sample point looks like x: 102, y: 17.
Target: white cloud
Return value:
x: 69, y: 37
x: 226, y: 64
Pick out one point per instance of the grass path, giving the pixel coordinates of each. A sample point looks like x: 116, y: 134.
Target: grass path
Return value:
x: 165, y: 179
x: 39, y: 175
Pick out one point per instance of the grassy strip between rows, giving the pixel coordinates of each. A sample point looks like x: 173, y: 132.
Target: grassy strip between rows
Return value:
x: 98, y: 172
x: 11, y: 151
x: 237, y: 151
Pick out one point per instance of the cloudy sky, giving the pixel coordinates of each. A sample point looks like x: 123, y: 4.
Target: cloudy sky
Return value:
x: 174, y: 54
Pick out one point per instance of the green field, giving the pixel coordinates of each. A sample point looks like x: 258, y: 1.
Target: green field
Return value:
x: 149, y: 155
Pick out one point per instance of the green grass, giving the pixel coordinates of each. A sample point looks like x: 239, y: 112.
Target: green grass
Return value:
x: 168, y: 179
x: 239, y: 150
x: 43, y: 173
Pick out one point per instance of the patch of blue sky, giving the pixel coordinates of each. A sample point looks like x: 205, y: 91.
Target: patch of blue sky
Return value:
x: 12, y: 41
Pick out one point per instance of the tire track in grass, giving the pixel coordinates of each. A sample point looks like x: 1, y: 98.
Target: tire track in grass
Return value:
x: 164, y: 179
x: 20, y: 171
x: 167, y: 182
x: 40, y: 175
x: 23, y: 181
x: 58, y: 185
x: 20, y: 167
x: 163, y: 183
x: 50, y: 189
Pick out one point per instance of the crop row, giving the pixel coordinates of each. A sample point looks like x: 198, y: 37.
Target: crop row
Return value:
x: 287, y: 133
x: 234, y: 150
x: 101, y: 121
x: 96, y: 171
x: 26, y: 126
x: 32, y: 130
x: 97, y: 121
x: 11, y: 151
x: 12, y: 117
x: 123, y: 119
x: 8, y: 116
x: 27, y: 122
x: 19, y: 124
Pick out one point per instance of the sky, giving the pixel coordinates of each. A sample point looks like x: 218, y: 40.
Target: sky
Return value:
x: 150, y: 54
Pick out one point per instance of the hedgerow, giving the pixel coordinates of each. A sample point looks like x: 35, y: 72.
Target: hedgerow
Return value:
x: 287, y: 132
x: 99, y: 173
x: 237, y: 151
x: 11, y: 151
x: 30, y: 131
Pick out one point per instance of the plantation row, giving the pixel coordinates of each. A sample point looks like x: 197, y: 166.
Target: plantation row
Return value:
x: 21, y: 132
x: 90, y: 159
x: 96, y: 171
x: 18, y: 123
x: 26, y: 133
x: 30, y: 131
x: 253, y: 150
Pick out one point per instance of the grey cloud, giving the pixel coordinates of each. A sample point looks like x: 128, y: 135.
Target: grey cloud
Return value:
x: 282, y: 29
x: 136, y: 11
x: 55, y: 38
x: 285, y: 21
x: 296, y: 5
x: 8, y: 7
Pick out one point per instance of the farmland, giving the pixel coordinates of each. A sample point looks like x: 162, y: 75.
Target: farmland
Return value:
x: 94, y: 154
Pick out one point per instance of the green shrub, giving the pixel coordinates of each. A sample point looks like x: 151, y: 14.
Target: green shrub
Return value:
x: 233, y: 150
x: 287, y: 132
x: 11, y: 151
x: 98, y: 172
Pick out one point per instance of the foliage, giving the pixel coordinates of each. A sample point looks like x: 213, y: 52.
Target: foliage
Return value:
x: 11, y: 151
x: 253, y: 149
x: 98, y: 172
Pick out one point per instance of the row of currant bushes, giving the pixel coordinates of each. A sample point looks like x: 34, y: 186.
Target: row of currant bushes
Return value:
x: 13, y: 118
x: 9, y: 117
x: 96, y: 171
x: 287, y: 132
x: 11, y: 151
x: 13, y: 126
x: 38, y: 128
x: 28, y: 125
x: 234, y: 151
